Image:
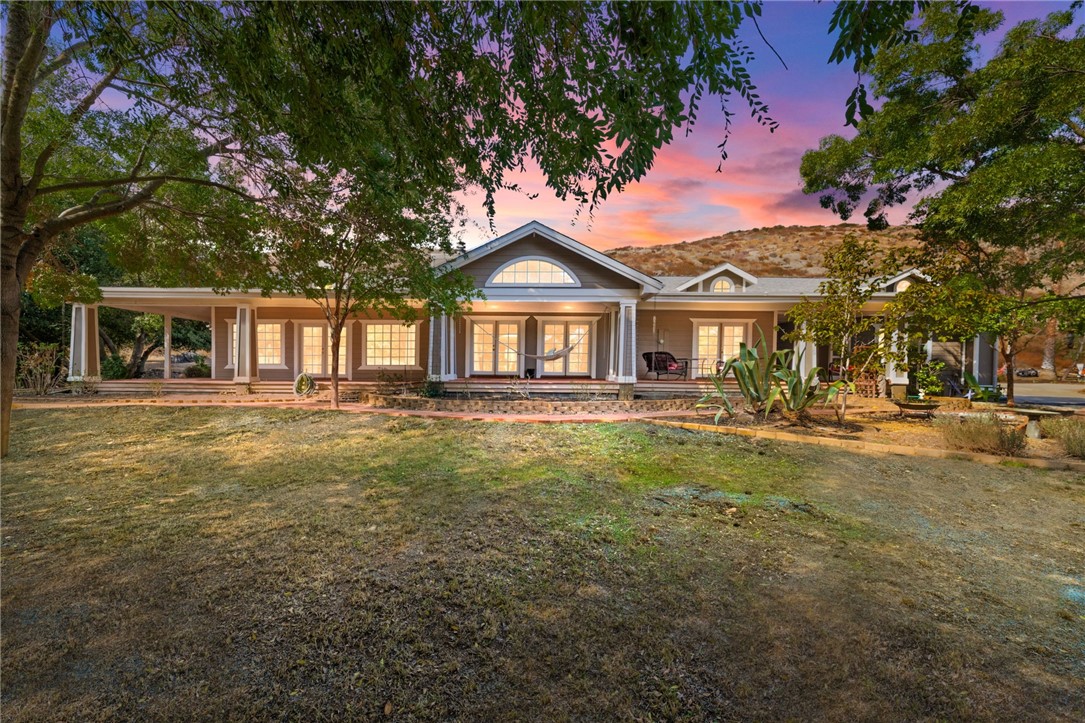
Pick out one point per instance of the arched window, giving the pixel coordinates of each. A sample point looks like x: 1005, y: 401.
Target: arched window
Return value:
x: 903, y: 284
x: 722, y: 285
x: 532, y: 272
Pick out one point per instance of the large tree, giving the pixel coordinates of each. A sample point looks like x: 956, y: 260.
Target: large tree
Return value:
x: 110, y: 109
x: 993, y: 150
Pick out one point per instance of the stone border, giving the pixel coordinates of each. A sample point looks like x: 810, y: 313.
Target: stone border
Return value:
x: 875, y: 447
x: 529, y: 406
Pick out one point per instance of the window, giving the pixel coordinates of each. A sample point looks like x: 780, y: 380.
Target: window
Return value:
x: 717, y: 342
x: 390, y: 344
x: 561, y: 334
x: 269, y: 343
x: 722, y: 285
x: 533, y: 272
x: 903, y: 284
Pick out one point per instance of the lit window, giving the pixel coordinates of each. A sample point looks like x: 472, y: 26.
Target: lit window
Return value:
x: 722, y: 285
x: 719, y: 342
x: 903, y: 284
x: 533, y: 272
x: 269, y: 343
x: 391, y: 344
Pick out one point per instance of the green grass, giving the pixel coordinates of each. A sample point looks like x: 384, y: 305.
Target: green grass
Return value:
x: 261, y: 563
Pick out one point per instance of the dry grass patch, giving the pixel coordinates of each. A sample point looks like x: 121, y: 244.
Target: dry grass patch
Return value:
x: 163, y: 563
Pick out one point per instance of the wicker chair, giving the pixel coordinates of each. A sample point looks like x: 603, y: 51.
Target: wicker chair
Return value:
x: 665, y: 363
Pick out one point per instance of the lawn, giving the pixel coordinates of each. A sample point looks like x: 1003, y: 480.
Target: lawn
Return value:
x: 289, y: 564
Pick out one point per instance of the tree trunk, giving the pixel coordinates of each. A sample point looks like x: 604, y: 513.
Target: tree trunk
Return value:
x: 337, y: 334
x: 9, y: 345
x: 1051, y: 339
x: 1009, y: 354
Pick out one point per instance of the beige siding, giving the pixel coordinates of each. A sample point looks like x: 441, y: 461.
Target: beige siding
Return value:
x: 675, y: 328
x: 590, y: 274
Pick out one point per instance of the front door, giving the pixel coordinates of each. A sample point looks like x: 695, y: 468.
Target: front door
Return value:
x: 315, y: 350
x: 495, y: 347
x: 560, y: 335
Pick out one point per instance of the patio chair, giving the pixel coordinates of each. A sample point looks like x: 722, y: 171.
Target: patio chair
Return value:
x: 663, y: 362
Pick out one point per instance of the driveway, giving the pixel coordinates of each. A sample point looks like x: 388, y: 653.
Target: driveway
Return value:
x: 1055, y: 395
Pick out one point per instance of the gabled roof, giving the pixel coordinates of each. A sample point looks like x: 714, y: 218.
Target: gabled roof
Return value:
x: 904, y: 275
x: 540, y: 229
x: 722, y: 268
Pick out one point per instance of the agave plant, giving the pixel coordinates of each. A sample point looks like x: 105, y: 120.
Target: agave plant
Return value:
x: 753, y: 370
x: 798, y: 392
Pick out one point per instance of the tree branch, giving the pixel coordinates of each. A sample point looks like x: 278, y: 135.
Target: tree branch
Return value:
x: 63, y: 58
x: 127, y: 180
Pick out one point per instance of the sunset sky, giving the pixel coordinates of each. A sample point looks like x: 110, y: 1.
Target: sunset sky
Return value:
x: 683, y: 198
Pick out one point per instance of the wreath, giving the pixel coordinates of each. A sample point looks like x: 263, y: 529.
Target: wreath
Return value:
x: 304, y: 385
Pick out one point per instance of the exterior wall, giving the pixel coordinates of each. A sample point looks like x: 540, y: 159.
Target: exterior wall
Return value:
x: 675, y: 328
x: 291, y: 316
x: 590, y: 275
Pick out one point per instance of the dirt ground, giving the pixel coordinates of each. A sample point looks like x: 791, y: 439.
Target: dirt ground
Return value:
x: 165, y: 563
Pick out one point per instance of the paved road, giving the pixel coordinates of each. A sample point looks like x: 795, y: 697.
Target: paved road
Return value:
x: 1055, y: 395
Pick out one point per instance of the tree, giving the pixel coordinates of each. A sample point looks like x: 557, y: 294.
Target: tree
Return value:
x: 351, y: 247
x: 209, y: 103
x: 993, y: 150
x: 840, y: 319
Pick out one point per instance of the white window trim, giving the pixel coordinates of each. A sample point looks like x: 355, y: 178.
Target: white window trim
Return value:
x: 563, y: 267
x: 592, y: 345
x: 344, y: 371
x: 282, y: 343
x: 365, y: 365
x: 747, y: 337
x: 469, y: 352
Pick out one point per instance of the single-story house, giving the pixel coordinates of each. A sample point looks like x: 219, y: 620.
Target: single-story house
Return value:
x: 544, y: 291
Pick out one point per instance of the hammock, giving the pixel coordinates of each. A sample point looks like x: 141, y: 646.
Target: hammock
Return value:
x: 552, y: 355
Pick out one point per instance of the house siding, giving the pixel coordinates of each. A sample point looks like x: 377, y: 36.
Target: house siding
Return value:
x: 590, y: 274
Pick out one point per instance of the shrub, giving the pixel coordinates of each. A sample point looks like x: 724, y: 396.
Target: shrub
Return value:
x: 198, y: 370
x: 114, y: 368
x: 39, y: 367
x: 928, y: 378
x: 984, y: 433
x: 1069, y: 432
x: 432, y: 388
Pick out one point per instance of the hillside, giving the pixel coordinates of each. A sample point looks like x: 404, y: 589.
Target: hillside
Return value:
x: 775, y: 251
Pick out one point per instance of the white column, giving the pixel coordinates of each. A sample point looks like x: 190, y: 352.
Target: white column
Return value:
x: 244, y: 331
x: 627, y: 343
x: 77, y: 348
x: 167, y: 346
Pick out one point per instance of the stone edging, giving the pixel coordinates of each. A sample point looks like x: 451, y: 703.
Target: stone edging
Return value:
x: 874, y: 447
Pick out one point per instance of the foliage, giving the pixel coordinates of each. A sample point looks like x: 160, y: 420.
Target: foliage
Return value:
x: 304, y: 385
x: 199, y: 369
x: 432, y: 388
x: 994, y: 149
x: 798, y: 393
x: 928, y: 377
x: 982, y: 433
x: 114, y: 367
x: 1069, y: 432
x: 980, y: 393
x: 40, y: 367
x: 838, y: 320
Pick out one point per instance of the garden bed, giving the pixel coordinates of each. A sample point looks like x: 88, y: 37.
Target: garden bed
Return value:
x: 528, y: 406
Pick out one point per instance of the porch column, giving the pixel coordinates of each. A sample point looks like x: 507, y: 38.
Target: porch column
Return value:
x: 895, y: 376
x: 245, y: 360
x: 627, y: 348
x: 167, y: 346
x: 435, y: 360
x: 83, y: 361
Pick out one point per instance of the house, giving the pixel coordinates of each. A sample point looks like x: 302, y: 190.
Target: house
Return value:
x: 543, y: 291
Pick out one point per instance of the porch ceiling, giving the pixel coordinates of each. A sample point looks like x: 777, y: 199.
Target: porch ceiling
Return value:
x: 195, y: 313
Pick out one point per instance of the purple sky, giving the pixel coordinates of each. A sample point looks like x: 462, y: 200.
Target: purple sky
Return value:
x: 683, y: 198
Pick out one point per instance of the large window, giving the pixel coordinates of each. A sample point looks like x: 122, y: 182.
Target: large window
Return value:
x: 558, y: 335
x: 269, y: 343
x: 717, y: 342
x: 533, y: 272
x: 390, y: 344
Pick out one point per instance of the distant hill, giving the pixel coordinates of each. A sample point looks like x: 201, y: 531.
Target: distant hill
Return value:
x: 776, y: 251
